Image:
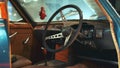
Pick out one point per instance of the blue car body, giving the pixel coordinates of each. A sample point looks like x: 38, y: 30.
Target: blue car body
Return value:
x: 4, y: 45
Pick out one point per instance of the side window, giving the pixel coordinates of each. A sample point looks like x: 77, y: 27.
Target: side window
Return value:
x: 118, y: 6
x: 13, y: 14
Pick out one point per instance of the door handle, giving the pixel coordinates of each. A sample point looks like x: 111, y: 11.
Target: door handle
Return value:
x: 26, y: 41
x: 12, y: 35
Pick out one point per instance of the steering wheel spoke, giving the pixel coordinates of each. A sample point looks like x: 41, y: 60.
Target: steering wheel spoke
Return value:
x: 67, y: 38
x: 55, y: 36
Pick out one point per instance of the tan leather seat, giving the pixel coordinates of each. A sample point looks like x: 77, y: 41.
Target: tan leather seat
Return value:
x: 75, y: 66
x: 78, y: 66
x: 21, y: 62
x: 36, y: 66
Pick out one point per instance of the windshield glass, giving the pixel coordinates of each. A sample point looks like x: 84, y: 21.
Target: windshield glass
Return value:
x: 90, y: 9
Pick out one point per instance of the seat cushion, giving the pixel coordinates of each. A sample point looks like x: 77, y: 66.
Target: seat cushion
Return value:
x: 78, y: 66
x: 20, y: 62
x: 36, y: 66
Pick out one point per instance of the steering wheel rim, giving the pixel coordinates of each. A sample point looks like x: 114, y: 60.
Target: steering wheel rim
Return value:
x: 73, y: 36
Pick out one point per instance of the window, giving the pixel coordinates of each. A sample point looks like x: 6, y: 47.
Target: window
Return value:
x: 13, y: 14
x: 116, y: 5
x: 90, y: 9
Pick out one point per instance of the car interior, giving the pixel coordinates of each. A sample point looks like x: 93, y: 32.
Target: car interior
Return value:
x: 60, y: 34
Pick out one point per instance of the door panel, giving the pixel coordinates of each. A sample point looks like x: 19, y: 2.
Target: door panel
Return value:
x: 21, y: 42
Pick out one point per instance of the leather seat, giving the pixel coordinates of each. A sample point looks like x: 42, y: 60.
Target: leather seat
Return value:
x: 50, y: 64
x: 75, y: 66
x: 78, y: 66
x: 20, y: 61
x: 36, y: 66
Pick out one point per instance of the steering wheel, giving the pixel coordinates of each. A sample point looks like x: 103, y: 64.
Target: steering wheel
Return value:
x: 68, y: 33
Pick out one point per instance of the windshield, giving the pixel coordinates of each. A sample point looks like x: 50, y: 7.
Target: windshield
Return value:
x: 33, y: 8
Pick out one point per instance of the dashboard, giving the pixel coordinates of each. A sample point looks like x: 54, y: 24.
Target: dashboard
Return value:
x: 97, y: 42
x: 96, y: 30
